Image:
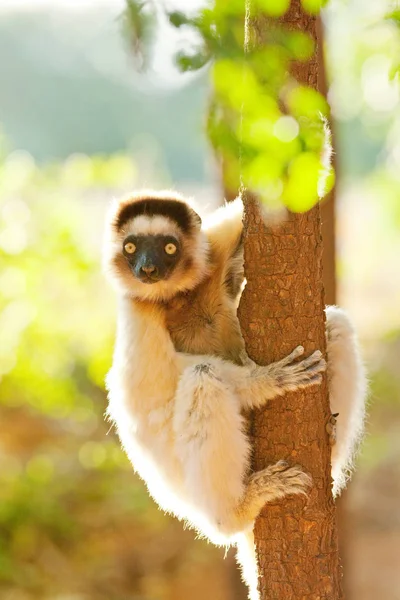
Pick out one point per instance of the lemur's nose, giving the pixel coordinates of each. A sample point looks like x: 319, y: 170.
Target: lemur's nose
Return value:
x: 149, y: 270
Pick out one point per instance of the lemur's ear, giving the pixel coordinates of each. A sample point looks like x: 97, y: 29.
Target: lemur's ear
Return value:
x: 195, y: 216
x: 151, y: 204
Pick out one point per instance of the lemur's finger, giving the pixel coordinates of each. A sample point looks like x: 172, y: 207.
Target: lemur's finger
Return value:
x: 307, y: 366
x: 331, y: 429
x: 315, y: 357
x: 246, y: 360
x: 281, y: 465
x: 292, y: 356
x: 318, y: 367
x: 307, y: 382
x: 296, y: 481
x: 315, y: 380
x: 302, y: 382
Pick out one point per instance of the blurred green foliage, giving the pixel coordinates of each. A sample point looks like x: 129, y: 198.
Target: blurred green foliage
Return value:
x: 394, y: 17
x: 53, y: 357
x: 73, y: 518
x: 267, y: 127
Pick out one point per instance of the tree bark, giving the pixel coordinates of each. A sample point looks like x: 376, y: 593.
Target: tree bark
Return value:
x: 282, y: 307
x: 328, y: 212
x: 329, y: 249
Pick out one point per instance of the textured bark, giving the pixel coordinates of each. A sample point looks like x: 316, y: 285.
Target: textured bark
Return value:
x: 328, y: 212
x: 329, y: 249
x: 281, y: 307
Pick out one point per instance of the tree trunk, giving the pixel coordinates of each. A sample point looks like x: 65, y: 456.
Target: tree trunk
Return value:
x: 328, y: 212
x: 329, y: 249
x: 282, y: 307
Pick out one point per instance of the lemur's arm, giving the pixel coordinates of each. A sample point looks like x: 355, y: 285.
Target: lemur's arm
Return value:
x: 253, y: 384
x: 143, y: 329
x: 224, y: 229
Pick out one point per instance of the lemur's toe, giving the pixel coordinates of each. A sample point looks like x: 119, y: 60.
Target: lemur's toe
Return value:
x: 331, y: 428
x: 290, y: 358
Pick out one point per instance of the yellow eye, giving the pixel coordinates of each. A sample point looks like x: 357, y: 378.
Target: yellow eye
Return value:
x: 170, y: 248
x: 130, y: 247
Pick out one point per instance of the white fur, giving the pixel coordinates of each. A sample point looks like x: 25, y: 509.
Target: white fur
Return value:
x: 224, y: 226
x: 179, y: 416
x: 154, y: 225
x: 180, y: 420
x: 326, y: 159
x: 347, y: 393
x: 246, y: 557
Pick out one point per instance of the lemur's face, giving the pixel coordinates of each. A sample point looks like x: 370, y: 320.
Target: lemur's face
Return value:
x: 155, y: 248
x: 152, y: 258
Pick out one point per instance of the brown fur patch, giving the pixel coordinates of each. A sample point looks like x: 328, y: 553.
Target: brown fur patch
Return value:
x: 203, y: 320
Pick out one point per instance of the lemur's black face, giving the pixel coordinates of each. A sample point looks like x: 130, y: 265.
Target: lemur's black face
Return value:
x: 155, y: 238
x: 151, y: 258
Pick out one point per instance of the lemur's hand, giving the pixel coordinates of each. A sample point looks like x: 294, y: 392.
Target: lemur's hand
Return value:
x: 290, y: 376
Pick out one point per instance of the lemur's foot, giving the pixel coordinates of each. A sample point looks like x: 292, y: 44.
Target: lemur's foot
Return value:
x: 291, y: 376
x: 331, y: 428
x: 279, y: 480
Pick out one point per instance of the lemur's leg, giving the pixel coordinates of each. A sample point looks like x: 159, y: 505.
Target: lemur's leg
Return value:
x: 347, y: 393
x: 270, y: 484
x: 213, y: 447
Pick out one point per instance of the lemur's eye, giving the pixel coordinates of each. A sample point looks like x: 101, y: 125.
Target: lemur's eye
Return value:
x: 130, y: 247
x: 170, y: 248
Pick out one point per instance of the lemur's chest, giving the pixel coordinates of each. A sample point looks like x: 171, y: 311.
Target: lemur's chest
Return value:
x: 205, y: 323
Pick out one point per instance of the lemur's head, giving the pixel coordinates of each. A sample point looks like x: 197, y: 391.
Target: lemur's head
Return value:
x: 155, y: 247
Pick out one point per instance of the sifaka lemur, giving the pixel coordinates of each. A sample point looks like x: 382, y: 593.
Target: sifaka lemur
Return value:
x: 181, y: 382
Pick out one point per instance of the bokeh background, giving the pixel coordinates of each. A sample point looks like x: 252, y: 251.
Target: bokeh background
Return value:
x: 79, y: 124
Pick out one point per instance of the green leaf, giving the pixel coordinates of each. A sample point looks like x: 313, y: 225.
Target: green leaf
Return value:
x: 300, y: 44
x: 178, y: 18
x: 233, y: 7
x: 301, y: 190
x: 306, y: 102
x: 313, y: 6
x: 273, y: 8
x: 192, y: 62
x: 236, y: 84
x: 262, y: 171
x: 395, y: 15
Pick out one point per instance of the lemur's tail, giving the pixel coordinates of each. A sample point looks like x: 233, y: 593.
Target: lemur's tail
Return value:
x: 347, y: 392
x: 247, y: 560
